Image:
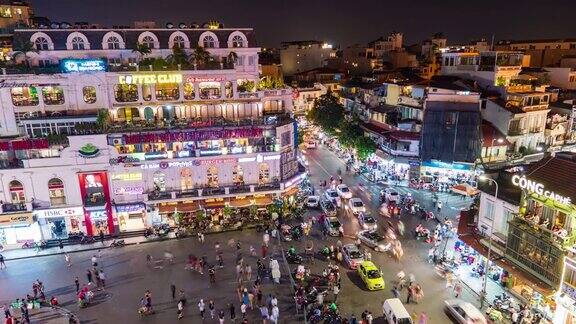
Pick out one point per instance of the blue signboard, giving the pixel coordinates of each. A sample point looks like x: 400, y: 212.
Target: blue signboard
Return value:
x: 444, y: 165
x: 82, y: 65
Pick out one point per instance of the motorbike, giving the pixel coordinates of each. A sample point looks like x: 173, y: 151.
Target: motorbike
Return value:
x: 117, y: 243
x: 87, y: 240
x: 294, y: 258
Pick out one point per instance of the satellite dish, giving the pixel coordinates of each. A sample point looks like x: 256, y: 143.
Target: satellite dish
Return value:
x: 182, y: 25
x: 169, y: 25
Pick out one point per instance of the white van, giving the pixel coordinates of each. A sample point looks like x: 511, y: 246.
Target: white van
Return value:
x: 395, y: 312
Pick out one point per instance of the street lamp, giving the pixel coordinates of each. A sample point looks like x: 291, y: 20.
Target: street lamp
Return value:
x: 483, y: 292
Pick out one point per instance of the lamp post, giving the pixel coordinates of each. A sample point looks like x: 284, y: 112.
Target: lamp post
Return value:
x: 485, y: 282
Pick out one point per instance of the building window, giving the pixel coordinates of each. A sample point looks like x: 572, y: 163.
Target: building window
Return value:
x: 5, y: 12
x: 209, y: 42
x: 167, y: 91
x: 237, y: 41
x: 251, y: 60
x: 212, y: 176
x: 24, y: 96
x: 189, y: 91
x: 113, y: 42
x: 41, y: 44
x: 178, y: 42
x: 126, y: 92
x: 238, y: 175
x: 263, y: 173
x: 16, y: 189
x: 56, y: 192
x: 229, y: 91
x: 489, y: 210
x: 186, y: 182
x: 128, y: 114
x: 209, y: 90
x: 78, y: 43
x: 89, y: 94
x: 148, y: 41
x: 147, y: 90
x: 53, y: 95
x: 240, y: 61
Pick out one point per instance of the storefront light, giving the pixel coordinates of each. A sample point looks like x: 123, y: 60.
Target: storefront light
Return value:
x: 249, y: 149
x: 224, y: 150
x: 277, y: 147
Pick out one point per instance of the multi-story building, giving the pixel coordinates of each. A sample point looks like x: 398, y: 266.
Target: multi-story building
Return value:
x: 543, y: 52
x: 562, y: 77
x: 105, y: 147
x: 301, y: 56
x: 305, y: 97
x: 521, y: 117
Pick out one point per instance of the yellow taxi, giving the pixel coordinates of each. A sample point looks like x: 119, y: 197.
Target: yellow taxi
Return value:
x: 371, y: 275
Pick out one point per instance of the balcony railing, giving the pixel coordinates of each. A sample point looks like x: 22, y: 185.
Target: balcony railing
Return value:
x: 213, y: 191
x: 188, y: 193
x: 267, y: 186
x: 241, y: 188
x: 14, y: 207
x: 516, y: 132
x: 559, y: 237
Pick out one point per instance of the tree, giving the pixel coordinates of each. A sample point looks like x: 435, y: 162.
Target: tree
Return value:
x: 327, y: 113
x: 364, y: 147
x: 23, y: 48
x: 348, y: 133
x: 178, y: 57
x: 141, y: 49
x: 201, y: 56
x: 232, y: 57
x: 247, y: 86
x: 103, y: 119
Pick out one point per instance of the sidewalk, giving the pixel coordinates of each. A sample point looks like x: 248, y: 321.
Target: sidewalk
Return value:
x: 18, y: 254
x: 47, y: 315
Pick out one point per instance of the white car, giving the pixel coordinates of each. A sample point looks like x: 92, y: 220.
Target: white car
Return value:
x: 356, y: 206
x: 312, y: 202
x: 391, y: 195
x: 367, y: 221
x: 328, y: 207
x: 464, y: 312
x: 333, y: 226
x: 332, y: 196
x: 343, y: 191
x: 310, y: 145
x: 373, y: 240
x: 352, y: 256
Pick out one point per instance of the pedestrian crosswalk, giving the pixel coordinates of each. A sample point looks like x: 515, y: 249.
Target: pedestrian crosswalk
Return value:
x: 455, y: 202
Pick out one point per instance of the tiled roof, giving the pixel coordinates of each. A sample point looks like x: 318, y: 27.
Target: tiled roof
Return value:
x: 404, y: 135
x: 556, y: 173
x: 379, y: 130
x: 490, y: 134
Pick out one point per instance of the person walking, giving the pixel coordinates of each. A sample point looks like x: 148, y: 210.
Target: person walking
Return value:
x: 212, y: 309
x: 101, y: 233
x: 264, y: 314
x: 457, y: 289
x: 395, y: 292
x: 77, y: 284
x: 180, y: 311
x: 221, y: 316
x: 248, y: 272
x: 201, y: 307
x: 275, y: 316
x: 335, y: 291
x: 67, y: 259
x: 423, y: 318
x: 60, y: 245
x: 201, y: 237
x: 102, y: 277
x: 266, y: 238
x: 2, y: 262
x: 410, y: 295
x: 173, y: 291
x: 232, y: 310
x: 89, y: 275
x: 212, y: 274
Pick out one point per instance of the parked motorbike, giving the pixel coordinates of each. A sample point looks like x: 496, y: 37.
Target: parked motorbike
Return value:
x: 117, y: 243
x: 294, y: 258
x: 87, y: 240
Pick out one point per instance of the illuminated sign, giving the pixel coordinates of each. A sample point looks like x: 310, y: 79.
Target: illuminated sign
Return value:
x: 539, y: 189
x: 150, y: 78
x: 83, y: 65
x: 88, y: 150
x: 131, y: 176
x: 16, y: 219
x: 129, y: 190
x: 182, y: 164
x: 192, y: 79
x: 60, y: 212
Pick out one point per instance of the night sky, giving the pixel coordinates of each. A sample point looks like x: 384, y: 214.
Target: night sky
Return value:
x: 341, y: 22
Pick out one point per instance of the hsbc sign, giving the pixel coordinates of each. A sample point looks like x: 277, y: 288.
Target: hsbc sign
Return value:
x: 60, y: 212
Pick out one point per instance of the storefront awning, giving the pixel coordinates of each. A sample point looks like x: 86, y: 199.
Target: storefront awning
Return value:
x: 213, y: 204
x: 466, y: 235
x: 181, y: 207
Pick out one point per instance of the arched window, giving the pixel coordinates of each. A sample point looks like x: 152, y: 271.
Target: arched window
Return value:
x: 16, y: 192
x: 264, y: 173
x: 113, y: 42
x: 148, y: 41
x: 209, y: 42
x: 186, y: 182
x: 212, y: 176
x: 159, y: 179
x: 178, y: 42
x: 41, y: 44
x: 78, y: 43
x: 56, y: 192
x: 237, y: 41
x: 238, y: 175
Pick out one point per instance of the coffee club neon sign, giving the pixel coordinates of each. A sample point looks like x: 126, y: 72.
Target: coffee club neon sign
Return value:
x: 539, y: 189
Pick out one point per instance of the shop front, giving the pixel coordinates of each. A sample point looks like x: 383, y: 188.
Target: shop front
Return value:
x: 17, y: 229
x: 132, y: 217
x: 59, y: 223
x: 566, y: 296
x: 447, y: 173
x: 95, y: 193
x: 384, y: 166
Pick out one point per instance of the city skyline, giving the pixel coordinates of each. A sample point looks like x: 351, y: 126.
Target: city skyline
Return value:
x: 301, y: 20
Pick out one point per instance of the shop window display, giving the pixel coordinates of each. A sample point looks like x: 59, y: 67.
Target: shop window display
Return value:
x: 159, y: 179
x: 89, y: 94
x: 189, y: 91
x: 147, y: 92
x: 168, y: 91
x: 186, y: 181
x: 209, y: 90
x: 94, y: 195
x: 56, y: 192
x: 238, y: 175
x: 24, y: 96
x: 264, y: 174
x: 228, y: 89
x: 53, y: 95
x: 126, y: 92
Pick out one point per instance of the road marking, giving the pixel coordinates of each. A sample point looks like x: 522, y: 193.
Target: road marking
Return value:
x: 320, y: 165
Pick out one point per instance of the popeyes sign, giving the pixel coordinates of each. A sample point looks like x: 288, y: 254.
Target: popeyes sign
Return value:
x: 539, y: 189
